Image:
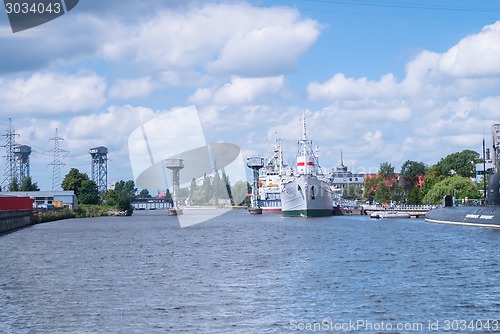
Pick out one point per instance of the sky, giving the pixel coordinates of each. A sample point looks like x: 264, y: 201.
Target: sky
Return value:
x: 379, y: 81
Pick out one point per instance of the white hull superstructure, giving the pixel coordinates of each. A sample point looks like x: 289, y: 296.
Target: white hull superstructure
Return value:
x: 306, y: 196
x: 269, y: 182
x: 306, y: 193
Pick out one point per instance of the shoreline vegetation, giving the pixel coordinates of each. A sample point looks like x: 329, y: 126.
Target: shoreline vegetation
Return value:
x: 83, y: 211
x: 91, y: 211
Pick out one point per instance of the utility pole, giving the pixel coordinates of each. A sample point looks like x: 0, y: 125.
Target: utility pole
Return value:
x: 56, y: 163
x: 10, y: 159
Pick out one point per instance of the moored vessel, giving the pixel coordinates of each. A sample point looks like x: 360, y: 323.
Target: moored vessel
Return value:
x: 480, y: 216
x: 306, y: 192
x: 269, y: 193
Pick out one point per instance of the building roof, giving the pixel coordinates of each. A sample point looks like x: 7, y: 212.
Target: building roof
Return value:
x: 38, y: 193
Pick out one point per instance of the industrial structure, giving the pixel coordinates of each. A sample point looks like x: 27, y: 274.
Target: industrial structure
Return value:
x: 255, y: 164
x: 99, y: 174
x: 175, y: 165
x: 56, y: 163
x: 495, y: 132
x: 22, y: 157
x: 10, y: 159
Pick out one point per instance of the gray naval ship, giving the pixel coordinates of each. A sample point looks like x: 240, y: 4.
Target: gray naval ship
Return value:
x: 483, y: 216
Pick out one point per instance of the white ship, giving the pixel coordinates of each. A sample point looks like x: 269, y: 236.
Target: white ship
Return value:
x: 306, y: 193
x: 269, y: 192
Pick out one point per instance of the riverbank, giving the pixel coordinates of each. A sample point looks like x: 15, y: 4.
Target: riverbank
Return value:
x: 11, y: 220
x: 52, y: 215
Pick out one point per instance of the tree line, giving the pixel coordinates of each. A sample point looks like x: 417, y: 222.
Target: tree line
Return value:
x: 418, y: 183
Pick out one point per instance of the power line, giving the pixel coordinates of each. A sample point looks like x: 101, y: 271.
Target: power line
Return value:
x: 354, y: 3
x: 389, y: 4
x: 10, y: 159
x: 56, y: 163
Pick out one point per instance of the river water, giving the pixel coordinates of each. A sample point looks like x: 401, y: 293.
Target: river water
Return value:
x: 242, y: 273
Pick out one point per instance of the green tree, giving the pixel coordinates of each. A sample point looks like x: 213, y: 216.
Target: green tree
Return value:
x: 28, y: 185
x: 110, y: 197
x: 386, y: 170
x: 125, y: 194
x: 73, y: 180
x: 415, y: 196
x: 351, y: 192
x: 216, y: 187
x: 240, y: 190
x: 14, y: 184
x: 432, y: 177
x: 226, y: 187
x: 411, y: 170
x: 192, y: 189
x: 383, y: 192
x: 371, y: 184
x: 207, y: 189
x: 168, y: 195
x: 459, y: 163
x: 458, y: 186
x: 126, y: 188
x: 89, y: 192
x: 144, y: 193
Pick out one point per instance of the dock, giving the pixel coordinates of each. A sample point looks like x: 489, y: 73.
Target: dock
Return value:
x: 415, y: 211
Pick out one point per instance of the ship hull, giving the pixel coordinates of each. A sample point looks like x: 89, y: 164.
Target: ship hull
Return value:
x: 273, y: 210
x: 306, y: 196
x: 486, y: 216
x: 270, y: 206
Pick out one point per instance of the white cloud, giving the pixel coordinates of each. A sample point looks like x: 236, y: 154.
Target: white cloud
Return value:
x: 469, y: 67
x: 340, y: 87
x: 52, y: 93
x: 132, y: 88
x: 271, y: 45
x: 111, y: 127
x: 474, y: 56
x: 240, y: 90
x: 223, y: 38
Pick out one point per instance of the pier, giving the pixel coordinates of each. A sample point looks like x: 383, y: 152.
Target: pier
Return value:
x: 415, y: 211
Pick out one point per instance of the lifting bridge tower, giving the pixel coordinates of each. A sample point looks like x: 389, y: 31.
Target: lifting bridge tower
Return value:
x: 22, y: 154
x: 100, y: 167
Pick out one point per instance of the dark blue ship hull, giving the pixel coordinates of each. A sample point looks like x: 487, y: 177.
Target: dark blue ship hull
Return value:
x: 482, y: 216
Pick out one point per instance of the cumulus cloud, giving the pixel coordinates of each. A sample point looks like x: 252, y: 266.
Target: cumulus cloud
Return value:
x: 240, y: 91
x: 241, y: 40
x: 475, y: 56
x: 340, y: 87
x: 442, y: 103
x: 52, y: 93
x: 469, y: 67
x: 112, y: 126
x: 132, y: 88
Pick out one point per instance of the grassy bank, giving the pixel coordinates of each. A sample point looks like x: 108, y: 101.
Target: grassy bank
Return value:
x: 83, y: 211
x: 52, y: 215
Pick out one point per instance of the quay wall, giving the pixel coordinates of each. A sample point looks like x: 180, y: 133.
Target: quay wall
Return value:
x: 14, y: 219
x: 15, y: 212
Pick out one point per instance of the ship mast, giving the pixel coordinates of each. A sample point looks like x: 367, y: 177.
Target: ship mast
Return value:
x: 305, y: 156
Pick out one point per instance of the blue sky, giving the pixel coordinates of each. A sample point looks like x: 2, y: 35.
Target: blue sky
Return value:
x: 383, y: 81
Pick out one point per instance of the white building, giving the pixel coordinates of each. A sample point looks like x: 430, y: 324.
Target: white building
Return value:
x: 65, y: 198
